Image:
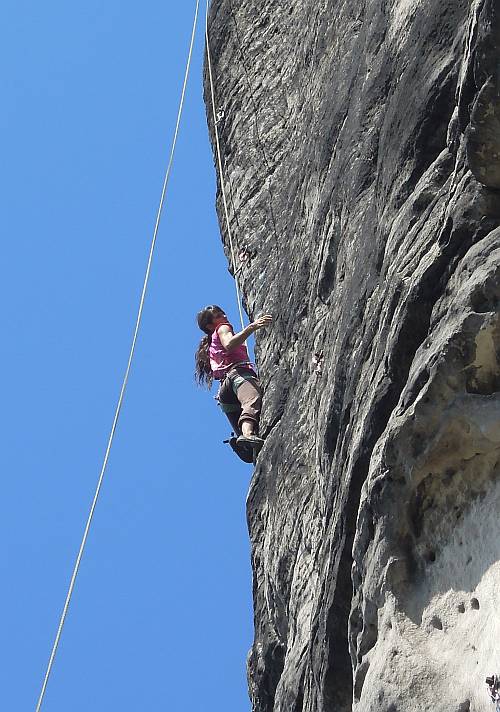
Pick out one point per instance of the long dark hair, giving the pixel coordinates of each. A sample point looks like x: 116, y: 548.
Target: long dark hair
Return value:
x: 202, y: 371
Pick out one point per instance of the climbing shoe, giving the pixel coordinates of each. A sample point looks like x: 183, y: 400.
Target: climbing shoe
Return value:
x: 253, y: 440
x: 244, y: 451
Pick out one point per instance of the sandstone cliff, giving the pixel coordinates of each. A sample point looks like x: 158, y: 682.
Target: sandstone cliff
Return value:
x: 361, y: 143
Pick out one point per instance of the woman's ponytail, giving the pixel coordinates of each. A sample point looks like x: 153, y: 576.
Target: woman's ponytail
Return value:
x: 202, y: 371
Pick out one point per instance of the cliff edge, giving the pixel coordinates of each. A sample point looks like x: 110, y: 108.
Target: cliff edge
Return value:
x: 361, y: 145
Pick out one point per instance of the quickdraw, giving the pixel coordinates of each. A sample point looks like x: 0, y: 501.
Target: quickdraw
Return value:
x: 493, y: 683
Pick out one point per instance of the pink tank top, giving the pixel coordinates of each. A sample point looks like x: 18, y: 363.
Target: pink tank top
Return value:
x: 221, y: 361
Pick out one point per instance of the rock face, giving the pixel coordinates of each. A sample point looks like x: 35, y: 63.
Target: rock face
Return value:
x: 361, y: 145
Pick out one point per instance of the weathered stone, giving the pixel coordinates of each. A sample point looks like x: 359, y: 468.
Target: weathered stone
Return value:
x: 351, y: 140
x: 483, y: 133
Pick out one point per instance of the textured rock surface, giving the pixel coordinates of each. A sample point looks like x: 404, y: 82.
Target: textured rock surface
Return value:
x: 361, y: 143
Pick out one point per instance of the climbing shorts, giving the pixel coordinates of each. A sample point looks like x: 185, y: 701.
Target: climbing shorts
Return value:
x: 240, y: 396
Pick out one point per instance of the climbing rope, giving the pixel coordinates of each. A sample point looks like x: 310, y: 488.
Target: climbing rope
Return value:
x: 221, y: 172
x: 127, y: 370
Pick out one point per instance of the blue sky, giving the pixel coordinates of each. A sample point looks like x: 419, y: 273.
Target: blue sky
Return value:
x: 161, y: 615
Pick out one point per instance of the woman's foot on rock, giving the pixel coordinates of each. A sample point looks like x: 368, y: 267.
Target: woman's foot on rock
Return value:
x: 252, y: 440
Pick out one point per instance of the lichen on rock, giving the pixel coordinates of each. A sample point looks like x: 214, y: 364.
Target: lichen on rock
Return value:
x: 361, y: 149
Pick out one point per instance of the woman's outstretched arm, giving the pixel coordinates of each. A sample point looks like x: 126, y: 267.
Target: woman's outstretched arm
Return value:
x: 230, y: 341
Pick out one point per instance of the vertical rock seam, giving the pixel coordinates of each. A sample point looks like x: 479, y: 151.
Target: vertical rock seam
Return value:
x: 361, y: 144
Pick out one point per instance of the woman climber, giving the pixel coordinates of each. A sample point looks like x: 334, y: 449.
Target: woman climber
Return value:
x: 222, y: 355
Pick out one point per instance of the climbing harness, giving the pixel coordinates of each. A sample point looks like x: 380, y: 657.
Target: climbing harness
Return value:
x: 129, y: 364
x: 216, y: 119
x: 236, y: 378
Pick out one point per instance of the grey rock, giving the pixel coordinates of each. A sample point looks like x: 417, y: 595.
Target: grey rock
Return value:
x: 365, y: 223
x: 483, y: 133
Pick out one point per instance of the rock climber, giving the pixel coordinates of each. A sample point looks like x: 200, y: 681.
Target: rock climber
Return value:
x: 222, y: 355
